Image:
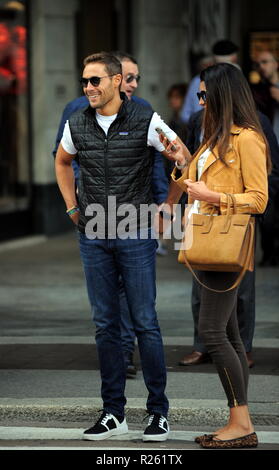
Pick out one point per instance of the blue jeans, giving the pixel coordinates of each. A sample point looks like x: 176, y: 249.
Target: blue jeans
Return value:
x: 126, y: 325
x: 134, y: 260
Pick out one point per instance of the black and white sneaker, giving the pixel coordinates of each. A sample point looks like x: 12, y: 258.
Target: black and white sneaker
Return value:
x: 157, y: 428
x: 107, y: 425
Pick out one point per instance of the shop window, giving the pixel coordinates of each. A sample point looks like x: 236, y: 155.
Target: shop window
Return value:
x: 14, y: 155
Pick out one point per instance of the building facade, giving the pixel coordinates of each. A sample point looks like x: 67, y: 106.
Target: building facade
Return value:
x: 42, y: 45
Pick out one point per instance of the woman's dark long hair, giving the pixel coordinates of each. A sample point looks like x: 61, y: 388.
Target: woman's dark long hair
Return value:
x: 228, y: 101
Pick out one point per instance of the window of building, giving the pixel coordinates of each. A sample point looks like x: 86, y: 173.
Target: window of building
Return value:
x: 14, y: 148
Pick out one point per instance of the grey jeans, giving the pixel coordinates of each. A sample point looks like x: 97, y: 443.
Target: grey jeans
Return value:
x: 218, y: 329
x: 246, y: 311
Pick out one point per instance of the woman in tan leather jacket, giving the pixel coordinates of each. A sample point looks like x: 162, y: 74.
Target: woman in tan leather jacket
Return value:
x: 233, y: 158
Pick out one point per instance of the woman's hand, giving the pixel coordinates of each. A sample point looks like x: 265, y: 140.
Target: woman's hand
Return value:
x: 199, y: 191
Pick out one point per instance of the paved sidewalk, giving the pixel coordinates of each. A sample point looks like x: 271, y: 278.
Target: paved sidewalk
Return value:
x: 70, y: 438
x: 48, y: 364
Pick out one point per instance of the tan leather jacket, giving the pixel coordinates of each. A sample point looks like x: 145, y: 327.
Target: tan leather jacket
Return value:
x: 245, y: 174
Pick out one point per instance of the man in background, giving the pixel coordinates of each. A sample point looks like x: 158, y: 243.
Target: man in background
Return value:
x: 266, y: 95
x: 222, y: 51
x: 266, y: 92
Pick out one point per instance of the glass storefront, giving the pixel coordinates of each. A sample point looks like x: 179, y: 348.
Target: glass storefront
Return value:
x: 14, y: 132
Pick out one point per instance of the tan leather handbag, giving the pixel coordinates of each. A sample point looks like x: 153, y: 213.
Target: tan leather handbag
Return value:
x: 219, y: 243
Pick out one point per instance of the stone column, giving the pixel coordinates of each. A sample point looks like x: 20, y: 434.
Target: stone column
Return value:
x: 164, y: 33
x: 159, y: 48
x: 54, y: 83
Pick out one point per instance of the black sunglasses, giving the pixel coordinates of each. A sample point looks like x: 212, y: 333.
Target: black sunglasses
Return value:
x: 95, y: 81
x: 201, y: 95
x: 132, y: 77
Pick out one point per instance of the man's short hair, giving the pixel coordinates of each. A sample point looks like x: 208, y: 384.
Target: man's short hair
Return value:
x: 111, y: 62
x: 122, y: 56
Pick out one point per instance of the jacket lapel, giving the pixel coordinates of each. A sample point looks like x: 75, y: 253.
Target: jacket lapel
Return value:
x: 210, y: 160
x: 212, y: 157
x: 193, y: 168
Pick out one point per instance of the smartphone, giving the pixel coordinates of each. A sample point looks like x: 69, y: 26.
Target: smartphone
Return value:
x: 160, y: 131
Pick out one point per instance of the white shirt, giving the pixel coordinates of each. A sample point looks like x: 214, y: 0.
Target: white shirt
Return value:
x: 195, y: 209
x: 105, y: 123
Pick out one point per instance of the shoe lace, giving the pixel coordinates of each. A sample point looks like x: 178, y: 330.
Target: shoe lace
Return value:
x: 151, y: 417
x: 104, y: 417
x: 161, y: 421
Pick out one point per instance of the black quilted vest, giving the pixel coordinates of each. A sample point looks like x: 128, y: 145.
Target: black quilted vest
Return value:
x: 119, y: 164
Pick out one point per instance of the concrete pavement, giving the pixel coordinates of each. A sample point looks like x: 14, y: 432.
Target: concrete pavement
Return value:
x: 48, y: 365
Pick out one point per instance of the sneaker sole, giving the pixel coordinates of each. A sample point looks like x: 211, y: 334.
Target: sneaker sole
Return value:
x: 106, y: 435
x: 155, y: 438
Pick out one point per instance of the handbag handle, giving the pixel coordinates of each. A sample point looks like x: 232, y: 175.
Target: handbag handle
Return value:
x: 245, y: 266
x: 228, y: 219
x: 232, y: 196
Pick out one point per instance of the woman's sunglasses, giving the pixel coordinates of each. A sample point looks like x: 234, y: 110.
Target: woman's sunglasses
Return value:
x: 201, y: 95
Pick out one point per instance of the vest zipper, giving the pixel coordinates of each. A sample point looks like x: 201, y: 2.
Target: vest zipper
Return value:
x: 229, y: 380
x: 106, y: 179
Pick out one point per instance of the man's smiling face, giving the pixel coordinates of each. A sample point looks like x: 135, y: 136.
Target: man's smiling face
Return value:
x: 102, y: 94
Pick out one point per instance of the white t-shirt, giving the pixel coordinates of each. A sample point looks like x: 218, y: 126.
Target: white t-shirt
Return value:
x: 195, y: 209
x: 105, y: 122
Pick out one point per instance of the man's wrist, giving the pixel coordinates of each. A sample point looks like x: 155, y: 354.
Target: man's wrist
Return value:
x: 72, y: 210
x: 181, y: 165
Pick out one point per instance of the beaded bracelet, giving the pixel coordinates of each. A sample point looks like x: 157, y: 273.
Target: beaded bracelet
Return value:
x: 72, y: 210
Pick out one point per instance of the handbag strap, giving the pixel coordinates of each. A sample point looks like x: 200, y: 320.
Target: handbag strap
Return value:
x: 251, y: 231
x: 232, y: 196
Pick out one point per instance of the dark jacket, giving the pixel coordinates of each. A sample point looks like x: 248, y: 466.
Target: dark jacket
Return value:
x: 118, y: 164
x: 263, y: 99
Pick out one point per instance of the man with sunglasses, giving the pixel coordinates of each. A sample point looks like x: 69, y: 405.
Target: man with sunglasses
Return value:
x: 223, y: 50
x: 112, y: 139
x: 129, y: 84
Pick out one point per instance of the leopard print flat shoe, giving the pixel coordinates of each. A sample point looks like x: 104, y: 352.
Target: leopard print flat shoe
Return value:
x: 207, y: 437
x: 250, y: 440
